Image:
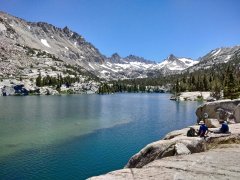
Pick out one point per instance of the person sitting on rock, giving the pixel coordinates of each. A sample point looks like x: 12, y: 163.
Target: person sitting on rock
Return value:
x: 224, y: 128
x: 203, y: 130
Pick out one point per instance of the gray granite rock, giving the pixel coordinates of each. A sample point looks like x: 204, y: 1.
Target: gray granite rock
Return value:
x: 219, y: 163
x: 220, y: 110
x: 218, y: 157
x: 181, y: 149
x: 212, y: 123
x: 236, y: 114
x: 165, y: 148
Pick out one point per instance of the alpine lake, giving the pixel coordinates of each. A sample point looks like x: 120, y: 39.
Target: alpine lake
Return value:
x: 79, y: 136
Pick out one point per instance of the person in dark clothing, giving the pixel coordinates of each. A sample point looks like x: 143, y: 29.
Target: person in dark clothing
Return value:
x: 203, y: 130
x: 224, y: 128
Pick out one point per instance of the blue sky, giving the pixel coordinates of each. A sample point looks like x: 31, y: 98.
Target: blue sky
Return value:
x: 152, y: 29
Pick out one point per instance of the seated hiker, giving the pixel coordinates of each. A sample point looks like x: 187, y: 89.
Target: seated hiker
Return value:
x: 203, y: 130
x: 224, y: 128
x: 191, y: 132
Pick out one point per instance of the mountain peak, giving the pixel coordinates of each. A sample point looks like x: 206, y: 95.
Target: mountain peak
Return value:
x: 66, y: 30
x: 171, y: 57
x: 115, y: 58
x: 115, y: 55
x: 133, y: 58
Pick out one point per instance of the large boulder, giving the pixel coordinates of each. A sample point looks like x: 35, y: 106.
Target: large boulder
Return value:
x: 12, y: 87
x: 165, y: 148
x: 176, y: 133
x: 8, y: 91
x: 236, y: 114
x: 48, y: 91
x: 212, y: 123
x: 220, y: 110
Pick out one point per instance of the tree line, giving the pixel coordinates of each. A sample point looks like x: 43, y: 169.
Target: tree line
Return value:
x: 223, y: 78
x: 118, y: 87
x: 219, y: 78
x: 55, y: 81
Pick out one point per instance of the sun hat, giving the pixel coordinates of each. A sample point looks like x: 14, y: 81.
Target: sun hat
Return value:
x: 201, y: 122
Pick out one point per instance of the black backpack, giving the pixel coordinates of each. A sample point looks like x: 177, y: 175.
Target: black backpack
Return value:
x: 191, y: 132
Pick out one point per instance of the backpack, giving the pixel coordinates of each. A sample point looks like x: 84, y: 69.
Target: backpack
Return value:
x: 191, y: 132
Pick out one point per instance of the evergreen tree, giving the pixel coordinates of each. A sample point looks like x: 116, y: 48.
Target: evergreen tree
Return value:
x: 230, y: 87
x: 216, y: 90
x: 39, y: 80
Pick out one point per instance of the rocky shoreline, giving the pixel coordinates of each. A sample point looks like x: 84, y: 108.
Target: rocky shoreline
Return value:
x: 177, y: 156
x: 26, y: 87
x: 195, y: 96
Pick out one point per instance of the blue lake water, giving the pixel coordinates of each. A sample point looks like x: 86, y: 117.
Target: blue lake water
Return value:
x: 79, y: 136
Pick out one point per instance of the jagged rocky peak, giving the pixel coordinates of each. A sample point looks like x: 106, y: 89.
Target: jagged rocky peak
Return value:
x: 116, y: 55
x: 63, y: 43
x: 174, y: 63
x: 171, y: 57
x: 115, y: 58
x: 66, y: 30
x: 133, y: 58
x: 73, y: 35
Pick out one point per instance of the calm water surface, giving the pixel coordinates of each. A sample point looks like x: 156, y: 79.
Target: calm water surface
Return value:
x: 78, y: 136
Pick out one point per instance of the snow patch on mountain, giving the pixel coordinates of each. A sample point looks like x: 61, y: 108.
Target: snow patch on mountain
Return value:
x: 45, y: 43
x: 91, y: 66
x: 216, y: 52
x: 189, y: 62
x: 2, y: 27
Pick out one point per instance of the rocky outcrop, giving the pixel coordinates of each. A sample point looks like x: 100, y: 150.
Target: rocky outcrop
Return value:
x: 178, y: 143
x: 205, y: 165
x: 218, y: 158
x: 27, y: 87
x: 164, y: 148
x: 194, y: 96
x: 221, y: 110
x: 10, y: 88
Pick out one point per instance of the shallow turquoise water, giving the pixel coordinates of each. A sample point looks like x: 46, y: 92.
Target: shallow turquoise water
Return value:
x: 78, y: 136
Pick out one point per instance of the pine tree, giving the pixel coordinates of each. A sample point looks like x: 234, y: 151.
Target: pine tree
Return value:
x: 177, y: 90
x: 230, y: 85
x: 216, y: 90
x: 39, y: 80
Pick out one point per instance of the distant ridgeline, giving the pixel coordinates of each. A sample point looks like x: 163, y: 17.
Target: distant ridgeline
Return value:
x: 219, y: 77
x: 224, y: 76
